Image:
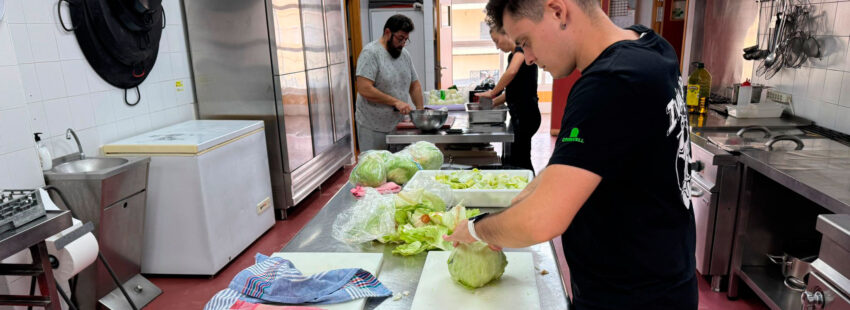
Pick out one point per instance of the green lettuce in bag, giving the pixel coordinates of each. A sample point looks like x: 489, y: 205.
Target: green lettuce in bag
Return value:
x: 400, y: 168
x: 370, y: 170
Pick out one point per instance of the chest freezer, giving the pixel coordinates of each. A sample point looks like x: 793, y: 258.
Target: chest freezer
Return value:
x: 209, y: 193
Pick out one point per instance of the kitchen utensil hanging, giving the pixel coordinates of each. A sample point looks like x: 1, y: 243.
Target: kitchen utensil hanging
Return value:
x: 119, y: 38
x: 791, y: 42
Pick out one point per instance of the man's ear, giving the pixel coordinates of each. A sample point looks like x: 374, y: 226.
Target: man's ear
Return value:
x: 558, y: 10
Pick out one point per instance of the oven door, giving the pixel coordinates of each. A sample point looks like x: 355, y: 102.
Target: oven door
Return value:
x: 704, y: 204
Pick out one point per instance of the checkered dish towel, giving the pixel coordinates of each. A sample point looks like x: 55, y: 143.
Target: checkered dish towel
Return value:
x: 276, y: 280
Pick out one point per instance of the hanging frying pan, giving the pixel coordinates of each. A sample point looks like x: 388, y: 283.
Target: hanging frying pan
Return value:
x: 119, y: 38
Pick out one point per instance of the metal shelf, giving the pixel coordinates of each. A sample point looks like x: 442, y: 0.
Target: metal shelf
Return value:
x: 767, y: 283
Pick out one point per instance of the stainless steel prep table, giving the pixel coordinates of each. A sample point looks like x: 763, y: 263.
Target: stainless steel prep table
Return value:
x: 823, y: 176
x: 401, y: 273
x: 408, y: 136
x: 713, y: 121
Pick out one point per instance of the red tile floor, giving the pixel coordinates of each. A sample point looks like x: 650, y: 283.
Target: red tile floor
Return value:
x: 181, y: 292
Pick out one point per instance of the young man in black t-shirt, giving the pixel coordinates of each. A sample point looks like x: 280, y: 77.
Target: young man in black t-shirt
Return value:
x: 617, y: 188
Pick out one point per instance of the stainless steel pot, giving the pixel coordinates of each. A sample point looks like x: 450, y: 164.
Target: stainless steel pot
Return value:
x: 756, y: 98
x: 794, y: 269
x: 428, y: 120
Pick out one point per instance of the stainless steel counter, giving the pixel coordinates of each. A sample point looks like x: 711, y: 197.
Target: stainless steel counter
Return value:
x: 401, y: 273
x: 499, y: 133
x: 712, y: 121
x: 822, y: 176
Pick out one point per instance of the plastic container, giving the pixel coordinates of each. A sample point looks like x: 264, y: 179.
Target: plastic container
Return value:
x: 761, y: 110
x: 477, y: 198
x: 43, y: 153
x: 477, y: 115
x: 745, y: 94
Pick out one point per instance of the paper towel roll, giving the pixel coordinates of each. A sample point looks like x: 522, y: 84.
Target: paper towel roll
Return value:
x: 75, y: 257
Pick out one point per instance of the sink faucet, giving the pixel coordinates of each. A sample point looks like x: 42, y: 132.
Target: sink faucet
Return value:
x: 70, y: 132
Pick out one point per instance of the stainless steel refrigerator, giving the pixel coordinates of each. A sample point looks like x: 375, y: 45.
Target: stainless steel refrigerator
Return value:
x: 284, y: 62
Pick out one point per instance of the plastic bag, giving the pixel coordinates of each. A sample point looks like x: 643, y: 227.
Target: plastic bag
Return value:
x: 371, y: 218
x: 370, y: 170
x: 401, y: 168
x: 426, y: 154
x: 444, y: 191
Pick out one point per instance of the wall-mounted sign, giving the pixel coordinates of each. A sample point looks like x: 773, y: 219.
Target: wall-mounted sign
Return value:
x: 678, y: 10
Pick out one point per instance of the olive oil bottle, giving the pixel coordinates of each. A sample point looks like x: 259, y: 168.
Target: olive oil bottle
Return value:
x: 698, y: 89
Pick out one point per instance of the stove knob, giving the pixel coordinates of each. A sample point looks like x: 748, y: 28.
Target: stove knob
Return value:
x: 697, y: 166
x: 812, y: 301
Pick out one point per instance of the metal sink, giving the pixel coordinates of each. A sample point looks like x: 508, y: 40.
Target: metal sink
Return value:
x: 89, y: 165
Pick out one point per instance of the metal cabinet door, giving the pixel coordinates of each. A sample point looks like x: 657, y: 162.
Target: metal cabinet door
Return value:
x: 336, y: 31
x: 704, y: 224
x: 341, y: 95
x: 120, y: 238
x: 321, y: 115
x: 313, y: 21
x: 289, y: 48
x: 294, y: 110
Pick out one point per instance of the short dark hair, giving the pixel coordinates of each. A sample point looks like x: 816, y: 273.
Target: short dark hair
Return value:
x: 531, y: 9
x: 399, y: 22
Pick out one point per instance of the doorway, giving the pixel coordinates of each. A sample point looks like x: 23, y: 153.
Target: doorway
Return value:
x: 669, y: 18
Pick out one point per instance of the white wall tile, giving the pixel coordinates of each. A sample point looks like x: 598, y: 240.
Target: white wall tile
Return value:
x: 159, y: 119
x: 816, y: 81
x: 69, y: 49
x: 169, y: 94
x: 801, y: 82
x: 50, y: 79
x: 143, y: 123
x: 21, y: 41
x: 7, y: 48
x: 174, y: 13
x: 185, y: 95
x: 11, y: 88
x: 74, y: 72
x: 162, y: 70
x: 842, y: 122
x: 26, y: 168
x: 842, y: 19
x: 43, y: 41
x: 58, y: 116
x: 15, y: 12
x: 108, y: 133
x: 152, y: 96
x: 15, y: 131
x: 187, y: 112
x: 844, y: 99
x: 32, y: 89
x: 176, y: 40
x: 823, y: 18
x: 826, y: 115
x: 60, y: 146
x: 39, y: 11
x: 82, y: 112
x: 96, y: 83
x: 163, y: 41
x: 180, y: 65
x: 838, y: 57
x: 90, y: 140
x: 38, y: 118
x: 786, y: 80
x: 102, y: 106
x: 832, y: 86
x: 5, y: 182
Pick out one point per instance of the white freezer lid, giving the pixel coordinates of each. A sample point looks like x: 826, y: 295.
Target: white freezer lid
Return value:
x: 190, y: 137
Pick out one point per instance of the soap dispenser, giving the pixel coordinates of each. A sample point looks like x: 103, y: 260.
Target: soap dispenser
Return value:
x: 43, y: 153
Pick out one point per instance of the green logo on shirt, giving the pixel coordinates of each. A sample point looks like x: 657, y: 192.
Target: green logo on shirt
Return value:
x: 573, y: 137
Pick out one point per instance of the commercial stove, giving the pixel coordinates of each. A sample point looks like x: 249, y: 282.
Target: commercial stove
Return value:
x: 829, y: 278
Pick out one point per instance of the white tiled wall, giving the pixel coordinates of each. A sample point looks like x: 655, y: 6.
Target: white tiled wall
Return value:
x: 821, y: 88
x: 46, y: 85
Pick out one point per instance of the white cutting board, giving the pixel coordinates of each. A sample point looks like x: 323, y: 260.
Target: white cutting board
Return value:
x: 517, y: 289
x: 314, y: 262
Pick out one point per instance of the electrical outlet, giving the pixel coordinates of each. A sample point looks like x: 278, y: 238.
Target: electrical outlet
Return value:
x: 264, y: 205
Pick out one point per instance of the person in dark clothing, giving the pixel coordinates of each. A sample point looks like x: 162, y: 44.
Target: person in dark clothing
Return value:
x: 519, y: 83
x: 619, y: 197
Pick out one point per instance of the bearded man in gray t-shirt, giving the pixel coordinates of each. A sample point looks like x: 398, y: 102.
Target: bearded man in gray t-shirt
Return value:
x: 386, y: 84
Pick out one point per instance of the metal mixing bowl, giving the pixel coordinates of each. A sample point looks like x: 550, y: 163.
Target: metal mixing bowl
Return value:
x: 428, y: 120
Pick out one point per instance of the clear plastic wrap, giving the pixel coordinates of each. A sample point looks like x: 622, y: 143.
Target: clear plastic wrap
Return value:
x: 401, y: 167
x: 371, y: 169
x: 426, y: 154
x: 417, y: 186
x: 369, y: 219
